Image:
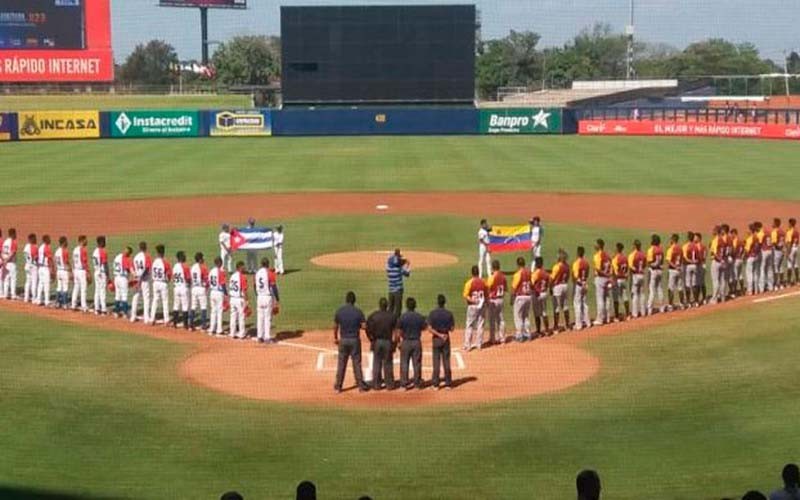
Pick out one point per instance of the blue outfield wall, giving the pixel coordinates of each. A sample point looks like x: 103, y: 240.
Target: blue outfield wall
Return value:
x: 375, y: 121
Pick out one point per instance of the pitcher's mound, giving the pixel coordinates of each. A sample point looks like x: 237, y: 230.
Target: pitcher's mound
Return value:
x: 376, y: 260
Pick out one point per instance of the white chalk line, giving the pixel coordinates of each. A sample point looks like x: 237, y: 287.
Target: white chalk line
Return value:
x: 307, y: 347
x: 367, y: 370
x: 776, y: 297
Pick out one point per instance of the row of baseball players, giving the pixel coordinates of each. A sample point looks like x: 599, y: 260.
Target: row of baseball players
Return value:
x: 759, y: 261
x: 194, y: 287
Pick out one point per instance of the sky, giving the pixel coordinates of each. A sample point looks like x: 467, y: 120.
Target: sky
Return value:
x: 772, y: 25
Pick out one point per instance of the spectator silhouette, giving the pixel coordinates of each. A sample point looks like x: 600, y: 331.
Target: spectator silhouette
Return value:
x: 306, y: 491
x: 791, y: 484
x: 754, y: 495
x: 588, y: 484
x: 231, y: 495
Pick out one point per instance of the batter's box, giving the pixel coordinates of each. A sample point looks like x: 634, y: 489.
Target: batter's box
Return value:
x: 327, y: 361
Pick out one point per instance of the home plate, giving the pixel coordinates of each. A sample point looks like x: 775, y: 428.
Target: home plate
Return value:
x: 381, y: 207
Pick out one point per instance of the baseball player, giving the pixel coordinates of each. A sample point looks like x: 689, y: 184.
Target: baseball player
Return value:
x: 101, y: 275
x: 217, y: 282
x: 8, y: 256
x: 237, y: 290
x: 752, y: 252
x: 143, y: 270
x: 267, y: 300
x: 180, y: 292
x: 778, y: 238
x: 484, y: 255
x: 674, y: 258
x: 225, y: 247
x: 580, y: 279
x: 655, y: 270
x: 62, y: 261
x: 690, y: 252
x: 46, y: 271
x: 620, y: 271
x: 702, y: 254
x: 766, y: 279
x: 736, y: 274
x: 521, y: 292
x: 541, y: 288
x: 497, y: 292
x: 602, y: 281
x: 475, y: 294
x: 637, y: 262
x: 123, y: 270
x: 2, y: 268
x: 536, y: 237
x: 161, y: 270
x: 559, y: 277
x: 199, y: 274
x: 792, y: 243
x: 80, y: 274
x: 720, y: 251
x: 31, y: 254
x: 277, y: 246
x: 251, y: 255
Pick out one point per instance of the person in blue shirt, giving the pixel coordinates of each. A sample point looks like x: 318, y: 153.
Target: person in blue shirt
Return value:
x: 397, y: 268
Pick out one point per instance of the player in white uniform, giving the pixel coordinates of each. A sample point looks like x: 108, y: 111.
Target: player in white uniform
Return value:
x: 142, y: 268
x: 225, y: 247
x: 217, y: 284
x: 237, y: 290
x: 277, y: 242
x: 100, y: 263
x: 199, y: 274
x: 267, y: 301
x: 80, y: 273
x: 162, y: 275
x: 8, y: 256
x: 45, y: 263
x: 484, y: 256
x: 180, y: 291
x: 31, y: 254
x: 123, y: 270
x: 536, y: 238
x: 62, y: 259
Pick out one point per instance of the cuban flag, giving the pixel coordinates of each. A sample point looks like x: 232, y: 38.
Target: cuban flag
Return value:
x: 510, y: 238
x: 251, y: 238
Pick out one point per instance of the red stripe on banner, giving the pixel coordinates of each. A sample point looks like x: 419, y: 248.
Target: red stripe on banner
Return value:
x: 517, y: 246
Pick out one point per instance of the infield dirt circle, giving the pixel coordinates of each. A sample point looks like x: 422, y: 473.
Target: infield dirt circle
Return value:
x: 376, y: 260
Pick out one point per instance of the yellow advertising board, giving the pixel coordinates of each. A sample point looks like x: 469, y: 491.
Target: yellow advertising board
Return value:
x: 38, y: 125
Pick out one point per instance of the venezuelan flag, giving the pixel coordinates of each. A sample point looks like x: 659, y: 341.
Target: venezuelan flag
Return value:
x: 510, y: 238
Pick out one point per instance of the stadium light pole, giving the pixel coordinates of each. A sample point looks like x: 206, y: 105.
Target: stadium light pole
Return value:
x: 629, y: 32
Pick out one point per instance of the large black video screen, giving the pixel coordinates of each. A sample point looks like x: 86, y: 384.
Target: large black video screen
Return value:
x: 42, y: 24
x: 378, y: 54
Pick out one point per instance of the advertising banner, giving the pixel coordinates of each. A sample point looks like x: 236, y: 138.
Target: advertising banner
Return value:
x: 220, y: 4
x: 159, y: 123
x: 5, y: 126
x: 520, y: 121
x: 242, y: 123
x: 39, y: 125
x: 61, y: 41
x: 698, y: 129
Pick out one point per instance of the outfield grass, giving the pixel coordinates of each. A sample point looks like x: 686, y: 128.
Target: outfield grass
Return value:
x: 112, y: 102
x: 697, y: 409
x: 130, y: 168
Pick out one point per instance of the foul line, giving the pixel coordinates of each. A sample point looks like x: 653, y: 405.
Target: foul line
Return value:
x: 776, y: 297
x: 307, y: 347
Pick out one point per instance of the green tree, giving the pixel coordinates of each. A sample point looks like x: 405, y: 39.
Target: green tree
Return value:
x: 508, y: 62
x: 150, y: 64
x: 248, y: 60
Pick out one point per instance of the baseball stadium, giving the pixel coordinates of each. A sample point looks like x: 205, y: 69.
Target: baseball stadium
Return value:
x: 370, y: 250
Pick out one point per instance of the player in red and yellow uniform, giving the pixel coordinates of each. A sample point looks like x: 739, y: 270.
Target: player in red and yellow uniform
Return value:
x: 655, y: 269
x: 793, y: 243
x: 690, y: 256
x: 674, y: 258
x: 620, y: 272
x: 701, y: 293
x: 541, y: 288
x: 778, y: 239
x: 602, y: 281
x: 719, y: 263
x: 580, y: 280
x: 497, y: 291
x: 475, y: 293
x: 521, y: 292
x: 560, y: 280
x: 637, y: 262
x: 735, y: 275
x: 752, y: 252
x: 766, y: 280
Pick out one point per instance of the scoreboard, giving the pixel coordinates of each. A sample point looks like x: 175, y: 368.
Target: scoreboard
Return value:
x: 220, y: 4
x: 42, y: 24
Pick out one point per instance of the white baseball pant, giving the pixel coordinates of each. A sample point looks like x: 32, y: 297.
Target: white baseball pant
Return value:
x: 237, y: 322
x: 62, y: 282
x: 601, y: 296
x: 160, y: 294
x: 484, y: 261
x: 473, y: 330
x: 522, y: 316
x: 100, y: 282
x: 43, y: 283
x: 497, y: 325
x: 279, y: 259
x: 560, y: 302
x: 31, y: 278
x: 580, y: 306
x: 142, y: 291
x: 79, y: 284
x: 120, y: 289
x: 10, y: 281
x: 751, y: 275
x: 217, y: 300
x: 264, y: 317
x: 637, y: 295
x: 199, y: 299
x: 719, y: 281
x: 766, y: 280
x: 655, y: 295
x: 180, y: 298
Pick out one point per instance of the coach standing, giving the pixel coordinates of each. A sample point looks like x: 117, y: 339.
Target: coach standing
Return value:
x: 397, y: 268
x: 252, y: 255
x: 349, y: 321
x: 442, y: 323
x: 380, y: 331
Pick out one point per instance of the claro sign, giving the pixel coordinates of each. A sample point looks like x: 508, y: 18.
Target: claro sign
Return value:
x: 697, y: 129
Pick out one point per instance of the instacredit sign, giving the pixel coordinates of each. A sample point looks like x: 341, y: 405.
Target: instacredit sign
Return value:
x: 697, y: 129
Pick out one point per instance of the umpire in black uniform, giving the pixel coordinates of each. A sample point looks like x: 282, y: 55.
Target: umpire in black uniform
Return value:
x: 348, y: 322
x: 381, y: 331
x: 411, y: 326
x: 442, y: 323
